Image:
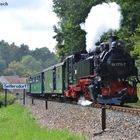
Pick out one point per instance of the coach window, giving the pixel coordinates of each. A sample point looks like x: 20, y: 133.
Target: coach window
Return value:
x: 35, y: 80
x: 54, y: 78
x: 30, y: 80
x: 38, y: 78
x: 58, y: 74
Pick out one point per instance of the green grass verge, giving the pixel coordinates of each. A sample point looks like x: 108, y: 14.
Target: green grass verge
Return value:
x: 16, y: 123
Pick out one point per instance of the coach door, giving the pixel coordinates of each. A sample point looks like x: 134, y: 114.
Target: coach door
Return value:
x: 42, y: 82
x: 54, y: 78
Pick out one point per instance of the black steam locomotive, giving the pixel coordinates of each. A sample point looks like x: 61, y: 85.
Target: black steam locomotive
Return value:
x: 107, y: 75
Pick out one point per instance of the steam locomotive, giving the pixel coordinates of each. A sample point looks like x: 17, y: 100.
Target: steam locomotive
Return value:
x: 107, y: 75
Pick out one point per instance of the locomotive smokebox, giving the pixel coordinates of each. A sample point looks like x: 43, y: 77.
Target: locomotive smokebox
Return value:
x: 112, y: 40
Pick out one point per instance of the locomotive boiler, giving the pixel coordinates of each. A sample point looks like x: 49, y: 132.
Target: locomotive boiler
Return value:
x: 107, y: 75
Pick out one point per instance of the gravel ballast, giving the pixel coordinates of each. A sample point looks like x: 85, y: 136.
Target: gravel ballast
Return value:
x: 85, y: 120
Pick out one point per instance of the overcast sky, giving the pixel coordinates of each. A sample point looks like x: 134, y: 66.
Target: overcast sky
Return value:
x: 29, y: 22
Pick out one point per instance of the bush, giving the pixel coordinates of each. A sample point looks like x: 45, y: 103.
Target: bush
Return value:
x: 10, y: 99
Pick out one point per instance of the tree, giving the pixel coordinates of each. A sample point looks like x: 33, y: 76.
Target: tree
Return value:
x: 4, y: 51
x: 49, y: 62
x: 42, y: 53
x: 44, y: 56
x: 71, y: 38
x: 131, y: 19
x: 22, y: 51
x: 2, y: 65
x: 136, y: 48
x: 31, y: 64
x: 69, y: 35
x: 136, y: 39
x: 15, y: 68
x: 27, y: 66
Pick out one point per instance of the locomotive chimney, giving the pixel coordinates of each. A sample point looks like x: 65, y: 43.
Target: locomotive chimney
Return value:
x: 112, y: 39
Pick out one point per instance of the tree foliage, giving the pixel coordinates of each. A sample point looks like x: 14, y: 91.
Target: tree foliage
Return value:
x: 71, y: 38
x: 30, y: 64
x: 14, y: 68
x: 19, y: 60
x: 40, y: 55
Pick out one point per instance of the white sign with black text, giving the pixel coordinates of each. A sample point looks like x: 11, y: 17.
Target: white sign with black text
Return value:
x: 14, y: 86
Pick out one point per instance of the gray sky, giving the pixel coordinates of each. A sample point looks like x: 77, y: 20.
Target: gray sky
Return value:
x: 29, y: 22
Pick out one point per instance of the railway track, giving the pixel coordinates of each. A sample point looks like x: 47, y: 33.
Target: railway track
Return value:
x: 127, y: 109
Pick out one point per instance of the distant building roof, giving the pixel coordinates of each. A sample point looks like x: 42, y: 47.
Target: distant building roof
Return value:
x: 12, y: 79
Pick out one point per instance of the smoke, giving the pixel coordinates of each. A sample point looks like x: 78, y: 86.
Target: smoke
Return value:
x: 83, y: 102
x: 101, y: 19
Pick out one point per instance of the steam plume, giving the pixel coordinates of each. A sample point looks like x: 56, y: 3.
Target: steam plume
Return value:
x: 101, y: 19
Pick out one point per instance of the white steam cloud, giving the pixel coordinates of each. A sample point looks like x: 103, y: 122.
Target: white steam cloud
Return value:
x: 101, y: 19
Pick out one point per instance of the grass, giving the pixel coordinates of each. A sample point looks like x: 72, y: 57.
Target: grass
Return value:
x: 138, y: 93
x: 16, y: 123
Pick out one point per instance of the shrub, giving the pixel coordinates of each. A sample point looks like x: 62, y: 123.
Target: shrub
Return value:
x: 10, y: 99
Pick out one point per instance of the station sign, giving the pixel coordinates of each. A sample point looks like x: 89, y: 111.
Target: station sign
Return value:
x: 14, y: 86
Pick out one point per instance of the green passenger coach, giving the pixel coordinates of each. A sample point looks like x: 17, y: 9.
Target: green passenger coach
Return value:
x: 54, y: 79
x: 35, y: 84
x: 50, y: 81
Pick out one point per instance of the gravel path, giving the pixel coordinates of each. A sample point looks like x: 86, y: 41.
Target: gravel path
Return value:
x: 86, y: 120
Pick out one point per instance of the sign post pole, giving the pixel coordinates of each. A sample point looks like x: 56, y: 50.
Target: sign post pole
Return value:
x: 5, y: 97
x: 46, y: 104
x: 23, y: 96
x: 103, y: 118
x: 32, y: 101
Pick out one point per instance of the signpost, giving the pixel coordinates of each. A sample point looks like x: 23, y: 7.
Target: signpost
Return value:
x: 5, y: 97
x: 14, y: 86
x: 103, y: 118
